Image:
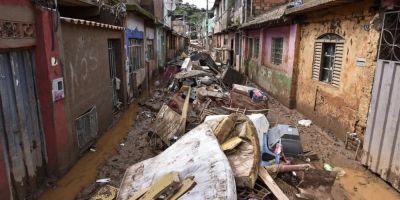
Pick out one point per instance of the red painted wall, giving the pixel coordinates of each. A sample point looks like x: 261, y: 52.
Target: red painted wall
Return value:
x: 53, y: 114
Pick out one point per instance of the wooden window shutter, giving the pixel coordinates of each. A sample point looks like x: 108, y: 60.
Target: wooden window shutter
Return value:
x: 317, y: 60
x: 337, y: 65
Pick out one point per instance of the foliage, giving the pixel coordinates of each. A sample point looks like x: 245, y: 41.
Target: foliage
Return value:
x: 193, y: 15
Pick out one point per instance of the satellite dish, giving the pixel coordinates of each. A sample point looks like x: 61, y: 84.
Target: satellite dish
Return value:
x: 170, y: 5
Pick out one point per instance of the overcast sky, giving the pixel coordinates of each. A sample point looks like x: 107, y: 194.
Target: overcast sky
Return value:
x: 200, y: 3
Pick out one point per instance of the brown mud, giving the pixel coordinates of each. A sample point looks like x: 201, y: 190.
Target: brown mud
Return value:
x: 111, y: 158
x: 85, y: 171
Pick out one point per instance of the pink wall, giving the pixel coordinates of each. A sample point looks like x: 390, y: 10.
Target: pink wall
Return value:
x: 288, y: 33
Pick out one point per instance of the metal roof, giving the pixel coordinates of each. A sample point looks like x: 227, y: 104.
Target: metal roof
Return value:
x: 270, y: 16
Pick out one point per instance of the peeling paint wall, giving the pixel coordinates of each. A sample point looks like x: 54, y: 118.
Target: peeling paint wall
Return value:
x: 345, y: 108
x: 277, y: 80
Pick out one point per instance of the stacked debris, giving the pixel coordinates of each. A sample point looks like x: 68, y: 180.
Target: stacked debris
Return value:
x: 219, y: 143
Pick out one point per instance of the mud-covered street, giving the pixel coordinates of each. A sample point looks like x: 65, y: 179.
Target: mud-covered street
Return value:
x: 199, y: 99
x: 132, y: 140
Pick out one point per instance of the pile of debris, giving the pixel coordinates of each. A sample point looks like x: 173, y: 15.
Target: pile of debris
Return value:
x: 219, y: 142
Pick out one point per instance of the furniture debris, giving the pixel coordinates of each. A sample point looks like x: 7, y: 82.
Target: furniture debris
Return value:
x: 197, y: 154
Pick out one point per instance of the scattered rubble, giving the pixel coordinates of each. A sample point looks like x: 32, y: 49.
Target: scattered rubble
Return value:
x: 210, y: 126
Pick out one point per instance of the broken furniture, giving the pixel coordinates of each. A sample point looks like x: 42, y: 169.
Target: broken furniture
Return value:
x: 197, y: 154
x: 244, y: 156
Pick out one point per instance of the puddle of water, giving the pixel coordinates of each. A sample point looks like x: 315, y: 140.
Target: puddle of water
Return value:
x: 84, y: 172
x: 361, y: 186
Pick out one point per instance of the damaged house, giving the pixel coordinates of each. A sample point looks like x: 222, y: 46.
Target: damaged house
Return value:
x: 270, y: 43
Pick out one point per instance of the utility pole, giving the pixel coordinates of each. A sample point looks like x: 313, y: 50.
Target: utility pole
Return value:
x: 207, y: 25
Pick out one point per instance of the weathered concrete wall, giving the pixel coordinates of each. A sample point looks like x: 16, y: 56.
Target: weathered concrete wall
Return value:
x: 134, y: 22
x: 345, y: 108
x: 21, y: 13
x: 275, y: 79
x: 87, y: 72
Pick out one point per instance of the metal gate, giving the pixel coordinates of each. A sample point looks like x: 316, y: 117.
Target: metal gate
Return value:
x: 135, y: 55
x: 20, y: 128
x: 113, y: 48
x: 381, y: 151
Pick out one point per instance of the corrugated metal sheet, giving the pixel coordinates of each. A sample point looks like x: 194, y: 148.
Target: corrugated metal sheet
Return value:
x: 382, y: 142
x: 381, y: 149
x: 22, y: 129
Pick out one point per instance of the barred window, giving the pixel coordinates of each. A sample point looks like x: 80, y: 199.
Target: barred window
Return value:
x: 135, y: 50
x: 276, y: 50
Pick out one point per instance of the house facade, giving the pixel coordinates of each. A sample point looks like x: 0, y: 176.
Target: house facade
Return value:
x: 270, y: 53
x: 65, y: 76
x: 336, y: 63
x: 32, y: 110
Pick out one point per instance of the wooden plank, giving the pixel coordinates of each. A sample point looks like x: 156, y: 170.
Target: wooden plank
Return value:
x: 186, y: 185
x: 11, y: 127
x: 185, y: 109
x: 167, y: 123
x: 381, y: 115
x: 231, y: 143
x: 19, y: 84
x: 269, y: 181
x: 37, y: 134
x: 167, y: 182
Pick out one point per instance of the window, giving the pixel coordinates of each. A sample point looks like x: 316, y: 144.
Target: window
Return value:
x: 256, y: 47
x: 250, y: 47
x: 150, y: 49
x: 135, y: 50
x: 276, y: 51
x: 328, y: 54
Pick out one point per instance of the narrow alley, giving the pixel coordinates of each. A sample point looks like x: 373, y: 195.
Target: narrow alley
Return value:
x: 199, y: 99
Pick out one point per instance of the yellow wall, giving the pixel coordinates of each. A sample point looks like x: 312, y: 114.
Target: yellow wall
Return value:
x: 345, y: 108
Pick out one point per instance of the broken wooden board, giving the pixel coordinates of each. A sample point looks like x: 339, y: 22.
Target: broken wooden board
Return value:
x: 185, y: 109
x: 107, y: 192
x: 167, y: 183
x: 269, y: 181
x: 167, y: 124
x: 231, y: 143
x: 185, y: 186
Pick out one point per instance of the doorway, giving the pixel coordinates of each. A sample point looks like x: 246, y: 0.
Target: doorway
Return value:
x: 20, y: 125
